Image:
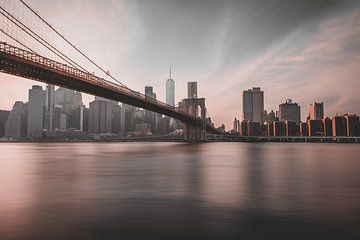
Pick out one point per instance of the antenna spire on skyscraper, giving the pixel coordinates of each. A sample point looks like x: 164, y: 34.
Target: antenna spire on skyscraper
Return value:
x: 170, y: 73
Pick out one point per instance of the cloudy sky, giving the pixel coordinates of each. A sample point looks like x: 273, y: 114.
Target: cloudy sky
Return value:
x: 307, y: 50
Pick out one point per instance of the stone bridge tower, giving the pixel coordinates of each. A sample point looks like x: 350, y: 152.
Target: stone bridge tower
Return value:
x: 195, y: 107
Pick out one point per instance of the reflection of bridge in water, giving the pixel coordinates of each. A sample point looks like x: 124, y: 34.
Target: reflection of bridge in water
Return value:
x: 20, y: 59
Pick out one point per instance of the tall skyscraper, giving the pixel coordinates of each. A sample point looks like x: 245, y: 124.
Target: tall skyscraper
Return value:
x: 16, y: 123
x: 192, y: 90
x: 100, y: 115
x: 36, y: 105
x: 253, y: 105
x: 170, y: 91
x: 289, y: 111
x: 49, y: 108
x: 316, y: 111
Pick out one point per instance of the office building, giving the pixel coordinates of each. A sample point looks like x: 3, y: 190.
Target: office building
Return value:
x: 289, y: 111
x: 170, y: 91
x: 236, y: 125
x: 316, y: 127
x: 16, y: 123
x: 77, y: 118
x: 150, y: 117
x: 304, y: 130
x: 253, y: 105
x: 292, y: 128
x: 339, y: 126
x: 49, y: 108
x: 327, y: 127
x: 272, y: 116
x: 279, y: 128
x: 244, y: 126
x: 36, y: 105
x: 118, y: 124
x: 254, y: 128
x: 192, y: 90
x: 100, y: 115
x: 3, y: 117
x: 316, y: 111
x: 352, y: 125
x: 68, y: 99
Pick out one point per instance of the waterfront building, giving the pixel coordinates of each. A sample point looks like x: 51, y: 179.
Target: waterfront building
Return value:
x: 253, y: 105
x: 352, y: 125
x: 327, y: 127
x: 3, y: 117
x: 279, y: 128
x: 304, y: 130
x: 289, y: 111
x: 16, y: 123
x: 36, y: 105
x: 192, y: 90
x: 315, y: 127
x: 270, y: 129
x: 254, y: 128
x: 244, y: 128
x: 100, y: 115
x: 339, y: 126
x: 316, y: 111
x: 292, y: 128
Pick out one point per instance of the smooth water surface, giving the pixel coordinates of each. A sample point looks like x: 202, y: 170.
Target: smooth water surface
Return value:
x: 179, y: 191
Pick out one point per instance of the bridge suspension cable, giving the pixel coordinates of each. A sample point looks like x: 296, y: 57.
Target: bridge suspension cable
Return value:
x: 37, y: 38
x: 71, y: 44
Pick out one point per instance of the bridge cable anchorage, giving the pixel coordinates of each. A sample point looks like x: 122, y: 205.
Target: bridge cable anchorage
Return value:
x: 44, y: 43
x: 72, y: 45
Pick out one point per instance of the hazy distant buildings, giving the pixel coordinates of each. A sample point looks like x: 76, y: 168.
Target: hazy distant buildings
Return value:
x: 49, y: 108
x: 68, y: 99
x: 289, y: 111
x: 100, y: 115
x: 192, y: 90
x: 253, y: 105
x: 16, y: 123
x: 37, y: 97
x: 118, y: 122
x: 3, y: 117
x: 150, y: 117
x: 316, y: 111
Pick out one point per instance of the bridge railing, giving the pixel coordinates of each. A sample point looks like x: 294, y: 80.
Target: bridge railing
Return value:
x: 85, y: 76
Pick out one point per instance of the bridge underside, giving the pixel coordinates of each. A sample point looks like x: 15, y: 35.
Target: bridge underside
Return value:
x: 16, y: 66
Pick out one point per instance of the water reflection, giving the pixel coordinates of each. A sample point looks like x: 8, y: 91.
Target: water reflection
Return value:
x: 178, y: 190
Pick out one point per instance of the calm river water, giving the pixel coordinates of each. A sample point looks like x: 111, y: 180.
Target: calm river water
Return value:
x: 179, y: 191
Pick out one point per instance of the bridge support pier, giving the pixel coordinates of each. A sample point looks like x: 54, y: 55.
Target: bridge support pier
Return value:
x: 195, y: 107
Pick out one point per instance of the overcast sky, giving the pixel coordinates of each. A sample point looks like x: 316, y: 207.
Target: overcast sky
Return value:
x: 306, y: 50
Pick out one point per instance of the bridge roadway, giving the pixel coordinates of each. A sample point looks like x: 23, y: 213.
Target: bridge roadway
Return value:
x: 23, y: 63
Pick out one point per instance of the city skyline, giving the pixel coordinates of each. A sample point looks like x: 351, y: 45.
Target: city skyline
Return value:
x: 282, y: 71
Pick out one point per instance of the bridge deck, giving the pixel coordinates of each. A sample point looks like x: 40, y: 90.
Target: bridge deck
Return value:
x: 19, y: 62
